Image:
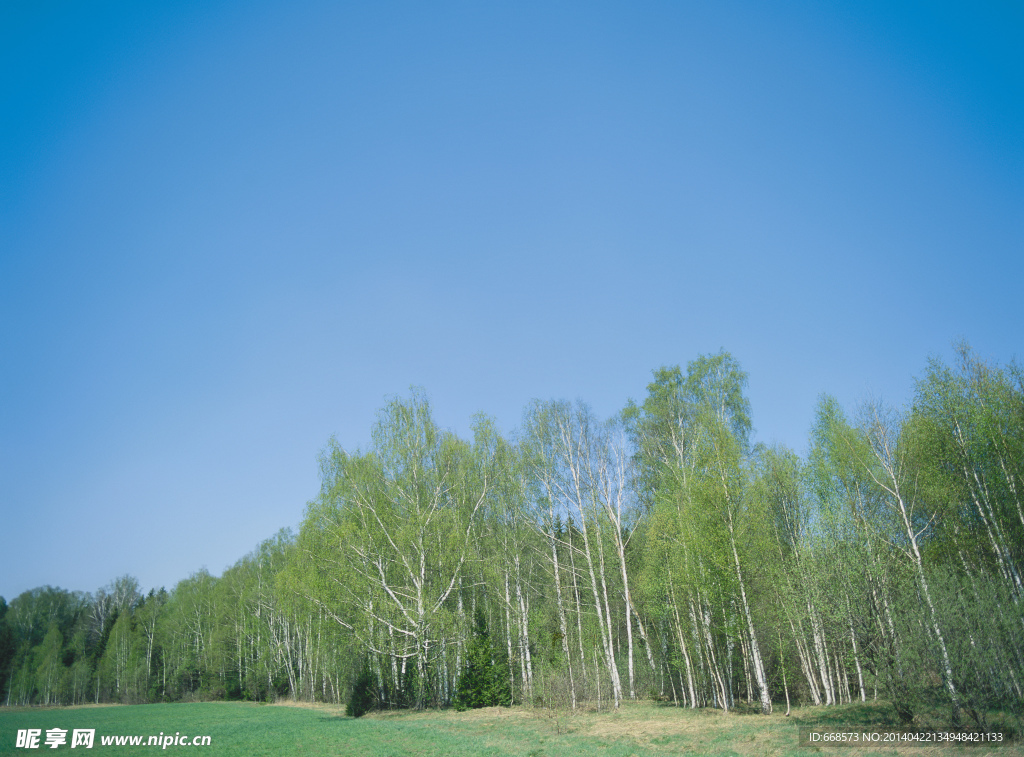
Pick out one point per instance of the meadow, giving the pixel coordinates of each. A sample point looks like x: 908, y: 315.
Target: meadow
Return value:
x: 636, y: 730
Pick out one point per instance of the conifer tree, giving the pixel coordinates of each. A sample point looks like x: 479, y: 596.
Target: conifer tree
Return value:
x: 483, y: 682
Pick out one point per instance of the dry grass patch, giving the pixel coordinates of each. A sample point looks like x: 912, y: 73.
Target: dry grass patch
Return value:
x: 322, y: 706
x: 645, y: 729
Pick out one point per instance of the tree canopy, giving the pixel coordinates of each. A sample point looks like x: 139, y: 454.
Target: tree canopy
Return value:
x: 581, y: 560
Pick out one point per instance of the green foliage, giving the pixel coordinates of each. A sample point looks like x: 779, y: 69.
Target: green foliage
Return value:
x: 484, y: 681
x: 364, y: 695
x: 8, y: 648
x: 888, y: 561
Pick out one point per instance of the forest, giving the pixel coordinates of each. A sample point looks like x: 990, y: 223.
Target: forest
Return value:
x: 579, y: 562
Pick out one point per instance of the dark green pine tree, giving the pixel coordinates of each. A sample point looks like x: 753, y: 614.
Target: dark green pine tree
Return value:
x: 484, y: 681
x: 364, y: 694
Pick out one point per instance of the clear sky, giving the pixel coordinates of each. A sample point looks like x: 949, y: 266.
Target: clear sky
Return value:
x: 229, y: 230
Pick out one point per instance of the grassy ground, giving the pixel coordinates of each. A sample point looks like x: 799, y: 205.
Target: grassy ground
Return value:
x: 637, y: 730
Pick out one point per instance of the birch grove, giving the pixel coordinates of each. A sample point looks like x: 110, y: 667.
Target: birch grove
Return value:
x: 583, y: 562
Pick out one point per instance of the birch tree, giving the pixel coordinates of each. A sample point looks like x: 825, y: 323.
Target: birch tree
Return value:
x: 568, y: 442
x: 391, y: 534
x: 691, y: 436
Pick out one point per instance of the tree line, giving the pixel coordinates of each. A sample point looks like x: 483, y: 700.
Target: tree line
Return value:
x: 581, y: 561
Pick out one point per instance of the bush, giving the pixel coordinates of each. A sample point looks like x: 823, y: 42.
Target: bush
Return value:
x: 484, y: 682
x: 364, y: 694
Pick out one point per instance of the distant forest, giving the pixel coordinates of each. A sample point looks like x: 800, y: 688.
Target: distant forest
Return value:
x: 579, y: 562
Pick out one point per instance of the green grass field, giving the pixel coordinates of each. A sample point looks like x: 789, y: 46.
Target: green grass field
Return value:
x: 642, y: 729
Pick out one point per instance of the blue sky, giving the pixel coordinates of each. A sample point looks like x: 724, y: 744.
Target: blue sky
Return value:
x: 230, y: 230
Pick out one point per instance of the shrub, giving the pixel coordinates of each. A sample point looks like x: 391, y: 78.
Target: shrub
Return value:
x: 484, y: 682
x: 364, y: 695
